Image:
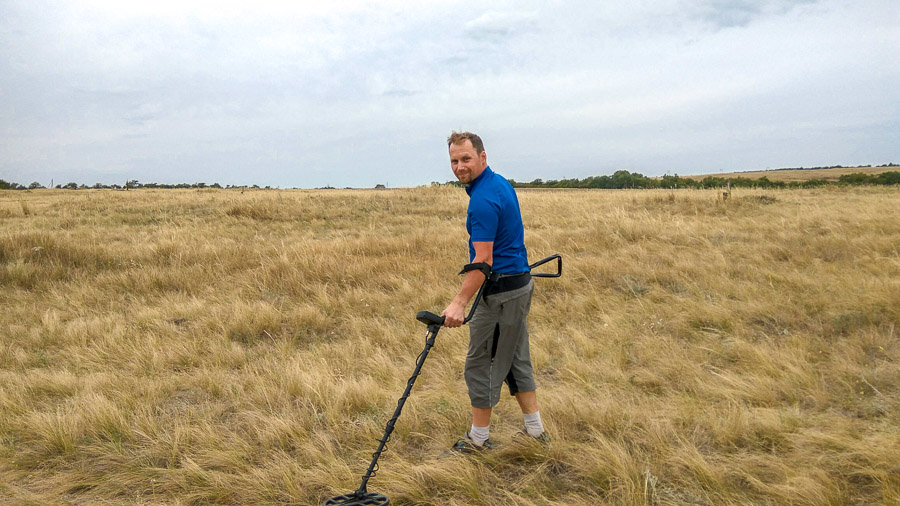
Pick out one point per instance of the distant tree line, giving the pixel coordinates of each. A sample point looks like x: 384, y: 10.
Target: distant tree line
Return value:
x: 892, y: 164
x: 621, y: 179
x: 134, y: 183
x: 624, y: 179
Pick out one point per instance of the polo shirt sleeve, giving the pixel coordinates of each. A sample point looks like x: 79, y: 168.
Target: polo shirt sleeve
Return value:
x: 484, y: 216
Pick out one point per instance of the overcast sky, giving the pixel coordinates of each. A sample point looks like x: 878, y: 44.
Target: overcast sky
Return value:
x: 294, y: 95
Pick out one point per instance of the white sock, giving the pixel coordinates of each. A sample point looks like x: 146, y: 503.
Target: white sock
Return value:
x: 533, y: 424
x: 479, y: 435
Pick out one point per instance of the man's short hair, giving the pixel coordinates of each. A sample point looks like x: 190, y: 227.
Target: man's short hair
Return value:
x: 461, y: 137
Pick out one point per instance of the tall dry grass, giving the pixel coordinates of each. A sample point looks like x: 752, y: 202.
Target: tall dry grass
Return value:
x: 195, y: 347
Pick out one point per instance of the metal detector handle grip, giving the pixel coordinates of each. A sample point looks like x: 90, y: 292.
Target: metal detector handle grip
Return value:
x: 548, y: 274
x: 429, y: 318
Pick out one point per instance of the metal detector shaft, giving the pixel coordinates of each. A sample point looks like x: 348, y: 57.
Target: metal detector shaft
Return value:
x: 434, y: 323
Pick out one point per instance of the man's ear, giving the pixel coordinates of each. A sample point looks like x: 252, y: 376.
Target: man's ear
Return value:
x: 483, y: 158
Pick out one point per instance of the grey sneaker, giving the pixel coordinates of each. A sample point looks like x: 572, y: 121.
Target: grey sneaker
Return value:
x: 466, y: 445
x: 543, y: 438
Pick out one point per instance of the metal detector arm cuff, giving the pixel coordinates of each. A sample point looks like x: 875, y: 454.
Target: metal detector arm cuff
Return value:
x: 484, y: 267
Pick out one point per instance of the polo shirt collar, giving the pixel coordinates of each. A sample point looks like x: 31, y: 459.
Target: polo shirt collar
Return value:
x: 471, y: 186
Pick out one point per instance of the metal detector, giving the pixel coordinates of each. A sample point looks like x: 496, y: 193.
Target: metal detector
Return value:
x: 433, y: 323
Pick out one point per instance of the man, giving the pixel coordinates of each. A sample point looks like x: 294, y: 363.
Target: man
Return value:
x: 498, y: 332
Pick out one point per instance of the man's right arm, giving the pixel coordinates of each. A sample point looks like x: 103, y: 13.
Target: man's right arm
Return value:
x: 455, y: 313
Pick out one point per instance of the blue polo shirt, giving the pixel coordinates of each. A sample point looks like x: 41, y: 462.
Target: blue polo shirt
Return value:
x: 494, y: 216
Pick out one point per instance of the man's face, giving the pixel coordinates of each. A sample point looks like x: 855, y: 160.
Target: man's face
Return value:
x: 467, y: 165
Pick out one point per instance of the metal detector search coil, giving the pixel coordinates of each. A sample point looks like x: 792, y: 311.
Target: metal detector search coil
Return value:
x: 433, y: 322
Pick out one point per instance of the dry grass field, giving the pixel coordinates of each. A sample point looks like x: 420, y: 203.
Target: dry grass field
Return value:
x: 213, y: 347
x: 797, y: 175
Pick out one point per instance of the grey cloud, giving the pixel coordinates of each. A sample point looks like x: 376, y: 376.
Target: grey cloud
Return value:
x: 740, y: 13
x: 496, y: 26
x: 139, y: 119
x: 400, y: 93
x: 454, y: 60
x: 731, y: 13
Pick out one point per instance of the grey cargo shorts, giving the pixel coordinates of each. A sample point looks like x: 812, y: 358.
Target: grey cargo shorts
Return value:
x: 498, y: 347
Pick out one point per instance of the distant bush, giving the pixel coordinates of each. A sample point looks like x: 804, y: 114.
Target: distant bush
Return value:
x: 858, y: 178
x: 10, y: 186
x: 892, y: 177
